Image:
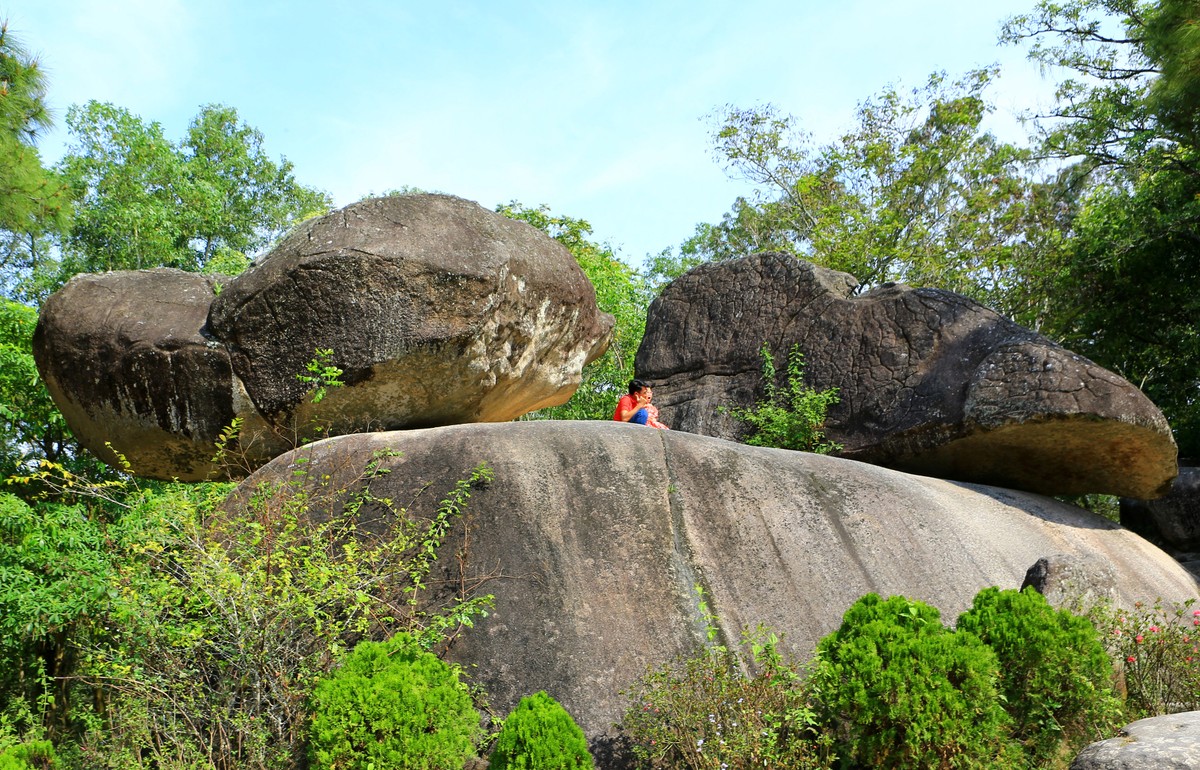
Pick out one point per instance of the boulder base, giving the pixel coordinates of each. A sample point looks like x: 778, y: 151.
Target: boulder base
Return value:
x: 594, y: 536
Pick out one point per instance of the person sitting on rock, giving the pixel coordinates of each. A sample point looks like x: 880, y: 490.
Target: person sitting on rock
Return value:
x: 635, y: 406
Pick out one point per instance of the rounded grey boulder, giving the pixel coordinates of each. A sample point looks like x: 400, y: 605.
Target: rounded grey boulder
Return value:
x: 593, y: 537
x: 929, y: 381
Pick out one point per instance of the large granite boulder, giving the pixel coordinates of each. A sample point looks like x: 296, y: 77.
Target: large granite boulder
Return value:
x: 594, y: 535
x: 930, y: 381
x: 437, y: 310
x: 1170, y: 742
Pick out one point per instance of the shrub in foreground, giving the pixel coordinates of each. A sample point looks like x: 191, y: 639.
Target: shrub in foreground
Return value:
x: 703, y: 713
x: 540, y: 735
x: 1158, y: 649
x: 392, y: 706
x: 900, y: 691
x: 30, y: 755
x: 1055, y: 675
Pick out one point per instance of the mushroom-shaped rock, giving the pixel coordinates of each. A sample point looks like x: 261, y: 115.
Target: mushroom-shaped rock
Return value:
x: 593, y: 536
x: 437, y: 310
x: 929, y: 381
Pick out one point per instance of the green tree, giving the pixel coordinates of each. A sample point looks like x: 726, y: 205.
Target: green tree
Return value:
x: 147, y: 202
x: 619, y: 291
x: 916, y: 192
x: 31, y: 427
x: 1125, y: 119
x: 34, y: 202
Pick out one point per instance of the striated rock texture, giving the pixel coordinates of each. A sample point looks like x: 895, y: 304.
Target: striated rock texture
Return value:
x: 437, y: 310
x: 594, y: 535
x: 930, y: 381
x: 1170, y: 742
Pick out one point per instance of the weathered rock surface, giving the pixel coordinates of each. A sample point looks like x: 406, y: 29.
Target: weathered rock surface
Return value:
x: 1172, y: 521
x: 1073, y: 581
x: 437, y: 310
x: 596, y: 533
x: 127, y: 360
x: 1169, y: 742
x: 930, y: 382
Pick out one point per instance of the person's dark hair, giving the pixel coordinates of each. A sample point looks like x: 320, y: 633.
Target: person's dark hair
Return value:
x: 637, y: 386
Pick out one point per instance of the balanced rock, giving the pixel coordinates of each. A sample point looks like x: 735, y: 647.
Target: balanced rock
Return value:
x: 436, y: 310
x: 930, y: 382
x: 594, y: 535
x: 1170, y: 742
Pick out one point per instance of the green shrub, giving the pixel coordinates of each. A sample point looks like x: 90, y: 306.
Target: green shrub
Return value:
x: 1055, y: 674
x: 540, y: 735
x: 791, y: 417
x: 392, y: 706
x: 899, y: 690
x: 1158, y: 649
x: 703, y: 713
x: 30, y: 755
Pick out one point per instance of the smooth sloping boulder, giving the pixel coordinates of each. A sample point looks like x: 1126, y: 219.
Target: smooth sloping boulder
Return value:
x: 127, y: 361
x: 1170, y: 742
x: 930, y: 381
x: 595, y: 534
x: 438, y: 311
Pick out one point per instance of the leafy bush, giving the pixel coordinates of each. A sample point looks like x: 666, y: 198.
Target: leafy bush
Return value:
x: 30, y: 755
x: 392, y: 706
x: 1158, y: 649
x: 222, y: 616
x: 540, y: 735
x: 791, y: 417
x: 703, y: 713
x: 1055, y: 674
x: 901, y: 691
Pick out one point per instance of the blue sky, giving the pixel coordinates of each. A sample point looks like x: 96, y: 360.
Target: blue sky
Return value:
x: 596, y: 109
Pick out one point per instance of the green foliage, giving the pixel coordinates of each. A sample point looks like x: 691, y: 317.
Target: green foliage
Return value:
x: 1126, y: 117
x: 145, y: 201
x: 915, y: 192
x: 392, y: 706
x: 703, y: 713
x: 34, y: 202
x: 1056, y: 677
x: 31, y: 427
x: 790, y: 417
x: 56, y: 563
x: 173, y: 626
x: 1158, y: 650
x: 320, y: 375
x: 619, y: 291
x: 901, y: 691
x: 31, y: 755
x: 540, y: 735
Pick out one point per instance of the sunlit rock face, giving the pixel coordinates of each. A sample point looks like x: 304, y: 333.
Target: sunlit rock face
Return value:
x: 930, y: 382
x: 593, y: 537
x: 437, y: 311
